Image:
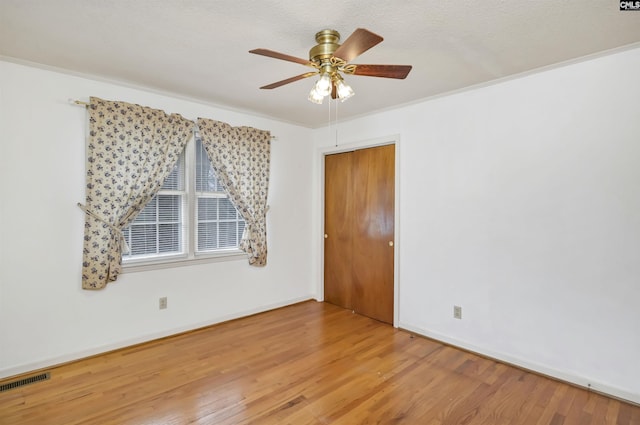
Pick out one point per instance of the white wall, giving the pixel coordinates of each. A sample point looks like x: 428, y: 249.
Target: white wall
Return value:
x: 520, y: 202
x: 45, y: 317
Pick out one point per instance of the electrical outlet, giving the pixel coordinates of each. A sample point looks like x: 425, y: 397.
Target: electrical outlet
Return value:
x: 163, y: 303
x: 457, y: 312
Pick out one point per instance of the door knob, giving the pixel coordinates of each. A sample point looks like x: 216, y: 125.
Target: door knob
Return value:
x: 390, y: 243
x: 326, y: 236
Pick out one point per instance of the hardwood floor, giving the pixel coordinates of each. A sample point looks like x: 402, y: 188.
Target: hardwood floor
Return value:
x: 311, y: 363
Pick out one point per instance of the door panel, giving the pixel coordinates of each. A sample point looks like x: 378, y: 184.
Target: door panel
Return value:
x: 374, y: 201
x: 338, y: 229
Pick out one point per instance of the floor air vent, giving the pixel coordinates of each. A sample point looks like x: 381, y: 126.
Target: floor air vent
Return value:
x: 24, y: 381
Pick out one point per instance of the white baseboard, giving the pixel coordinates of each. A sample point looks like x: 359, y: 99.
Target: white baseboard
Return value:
x: 577, y: 380
x: 69, y: 357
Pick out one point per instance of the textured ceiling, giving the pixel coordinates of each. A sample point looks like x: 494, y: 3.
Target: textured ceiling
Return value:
x: 199, y: 48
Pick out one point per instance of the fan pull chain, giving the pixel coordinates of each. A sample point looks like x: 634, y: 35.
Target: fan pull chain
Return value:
x: 329, y: 126
x: 336, y: 122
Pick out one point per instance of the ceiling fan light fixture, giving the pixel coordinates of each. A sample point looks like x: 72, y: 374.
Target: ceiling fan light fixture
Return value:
x: 343, y: 90
x: 323, y: 85
x: 315, y: 97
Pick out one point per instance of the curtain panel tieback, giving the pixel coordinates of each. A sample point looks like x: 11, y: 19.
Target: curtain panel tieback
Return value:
x: 119, y: 234
x: 251, y: 243
x: 252, y: 223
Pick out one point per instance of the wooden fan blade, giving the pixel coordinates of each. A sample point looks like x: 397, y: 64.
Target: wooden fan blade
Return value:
x: 386, y: 71
x: 359, y: 42
x: 289, y: 80
x: 277, y: 55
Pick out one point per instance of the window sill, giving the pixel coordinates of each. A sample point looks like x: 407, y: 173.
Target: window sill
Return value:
x: 231, y: 255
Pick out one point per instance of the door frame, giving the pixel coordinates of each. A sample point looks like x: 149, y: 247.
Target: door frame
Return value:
x: 319, y: 234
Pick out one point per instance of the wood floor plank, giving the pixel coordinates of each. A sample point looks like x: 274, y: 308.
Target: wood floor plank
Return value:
x: 306, y: 364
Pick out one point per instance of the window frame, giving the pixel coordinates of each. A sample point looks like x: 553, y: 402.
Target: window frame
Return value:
x: 189, y: 226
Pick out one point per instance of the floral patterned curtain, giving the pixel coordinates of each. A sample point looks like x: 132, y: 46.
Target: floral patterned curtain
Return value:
x: 240, y: 157
x: 132, y: 150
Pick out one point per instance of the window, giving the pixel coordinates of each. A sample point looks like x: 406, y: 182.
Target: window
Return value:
x: 190, y: 217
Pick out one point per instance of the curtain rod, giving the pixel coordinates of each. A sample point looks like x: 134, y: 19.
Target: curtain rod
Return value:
x: 85, y: 104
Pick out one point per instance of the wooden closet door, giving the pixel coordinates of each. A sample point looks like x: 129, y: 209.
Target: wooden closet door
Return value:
x: 373, y: 238
x: 338, y: 227
x: 359, y: 231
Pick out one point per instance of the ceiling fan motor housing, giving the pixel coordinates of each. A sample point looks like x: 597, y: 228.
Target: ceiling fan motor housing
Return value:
x: 327, y: 44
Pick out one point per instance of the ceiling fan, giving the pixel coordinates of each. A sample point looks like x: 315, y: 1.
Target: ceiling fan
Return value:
x: 331, y: 59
